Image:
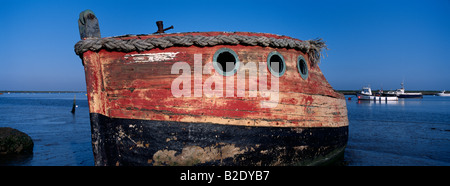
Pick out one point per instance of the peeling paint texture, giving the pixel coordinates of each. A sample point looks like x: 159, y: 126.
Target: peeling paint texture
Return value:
x: 146, y: 142
x: 146, y: 58
x: 136, y: 120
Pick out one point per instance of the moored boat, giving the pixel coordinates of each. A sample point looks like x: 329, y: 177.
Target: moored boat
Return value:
x: 443, y: 94
x: 209, y: 98
x: 400, y: 93
x: 366, y: 94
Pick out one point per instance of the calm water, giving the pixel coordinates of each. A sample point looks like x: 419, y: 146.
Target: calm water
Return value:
x: 404, y: 132
x: 407, y: 132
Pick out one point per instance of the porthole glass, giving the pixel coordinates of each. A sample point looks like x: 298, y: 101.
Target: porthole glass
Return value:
x: 226, y: 61
x: 276, y: 64
x: 302, y: 67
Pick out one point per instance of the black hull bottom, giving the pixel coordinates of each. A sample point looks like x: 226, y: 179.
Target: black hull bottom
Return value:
x: 411, y: 96
x: 147, y: 142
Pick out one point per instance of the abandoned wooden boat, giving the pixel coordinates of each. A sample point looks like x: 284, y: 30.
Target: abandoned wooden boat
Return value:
x: 209, y: 98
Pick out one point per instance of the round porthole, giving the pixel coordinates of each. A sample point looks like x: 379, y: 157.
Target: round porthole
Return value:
x: 226, y: 61
x: 302, y: 67
x: 276, y: 64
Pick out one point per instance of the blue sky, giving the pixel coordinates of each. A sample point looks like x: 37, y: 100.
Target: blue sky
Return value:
x: 380, y: 43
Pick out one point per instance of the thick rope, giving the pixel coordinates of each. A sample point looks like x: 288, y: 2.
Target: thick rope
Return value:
x: 312, y: 47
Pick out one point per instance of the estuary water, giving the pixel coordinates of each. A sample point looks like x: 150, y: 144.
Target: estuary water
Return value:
x: 405, y: 132
x: 60, y: 137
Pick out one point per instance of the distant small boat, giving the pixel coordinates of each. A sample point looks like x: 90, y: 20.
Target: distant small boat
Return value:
x: 443, y: 94
x: 366, y: 94
x: 400, y: 93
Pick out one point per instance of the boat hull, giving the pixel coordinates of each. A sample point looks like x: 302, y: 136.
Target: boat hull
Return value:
x: 377, y: 98
x: 410, y: 96
x: 443, y: 94
x: 133, y: 142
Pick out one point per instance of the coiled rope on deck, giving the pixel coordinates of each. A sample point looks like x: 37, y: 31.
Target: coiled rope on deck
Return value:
x: 312, y: 47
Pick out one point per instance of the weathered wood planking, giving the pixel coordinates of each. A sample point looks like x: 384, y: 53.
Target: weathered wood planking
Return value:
x: 123, y: 88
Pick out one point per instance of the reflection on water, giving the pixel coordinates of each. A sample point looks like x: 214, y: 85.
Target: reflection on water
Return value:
x: 401, y: 101
x: 370, y: 102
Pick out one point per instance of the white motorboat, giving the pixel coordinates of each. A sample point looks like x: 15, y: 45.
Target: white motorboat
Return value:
x: 443, y: 94
x: 366, y: 94
x: 401, y: 93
